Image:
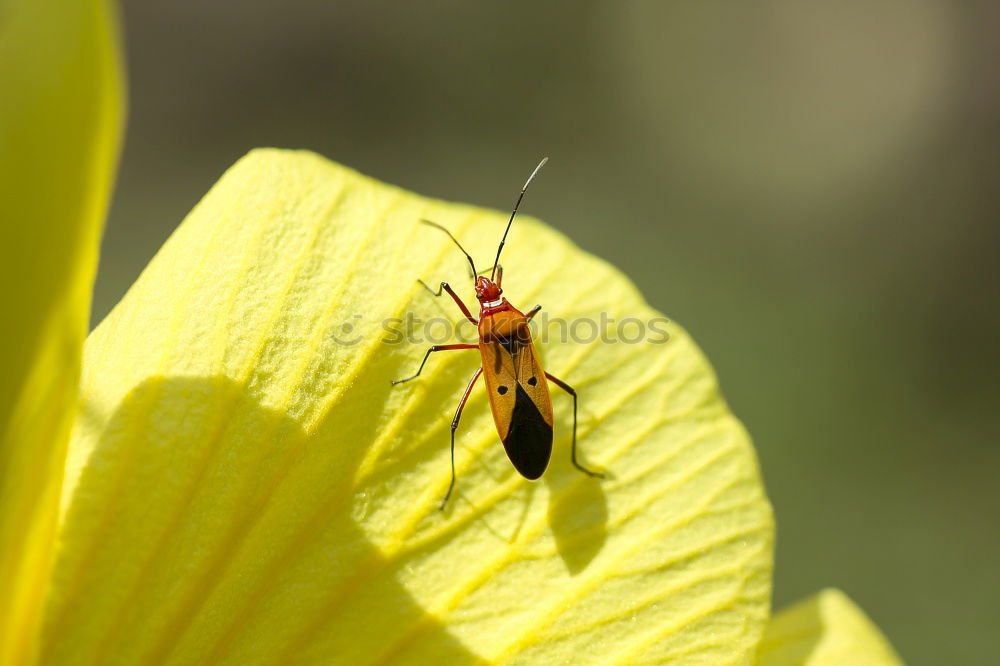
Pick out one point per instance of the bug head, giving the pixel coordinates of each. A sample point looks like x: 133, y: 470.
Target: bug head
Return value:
x: 487, y: 289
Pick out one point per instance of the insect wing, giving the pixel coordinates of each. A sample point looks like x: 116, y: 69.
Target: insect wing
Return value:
x: 521, y: 405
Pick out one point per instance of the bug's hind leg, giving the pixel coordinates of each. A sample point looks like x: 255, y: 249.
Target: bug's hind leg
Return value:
x: 454, y: 426
x: 569, y: 389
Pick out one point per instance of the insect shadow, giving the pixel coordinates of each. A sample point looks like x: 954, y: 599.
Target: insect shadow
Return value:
x: 577, y: 514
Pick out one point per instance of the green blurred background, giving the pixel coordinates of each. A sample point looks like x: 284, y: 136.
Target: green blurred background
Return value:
x: 809, y: 187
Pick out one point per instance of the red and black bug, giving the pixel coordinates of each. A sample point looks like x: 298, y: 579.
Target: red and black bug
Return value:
x: 515, y: 381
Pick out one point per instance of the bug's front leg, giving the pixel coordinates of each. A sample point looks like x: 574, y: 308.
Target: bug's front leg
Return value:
x: 533, y: 311
x: 569, y: 389
x: 435, y: 348
x: 458, y: 301
x: 454, y: 426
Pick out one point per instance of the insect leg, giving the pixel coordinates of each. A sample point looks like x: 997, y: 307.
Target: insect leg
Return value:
x: 454, y: 426
x: 435, y: 348
x: 458, y: 301
x: 533, y: 311
x: 569, y: 389
x: 427, y: 287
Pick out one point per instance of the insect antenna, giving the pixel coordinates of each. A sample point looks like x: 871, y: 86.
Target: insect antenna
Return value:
x: 467, y: 255
x: 514, y: 212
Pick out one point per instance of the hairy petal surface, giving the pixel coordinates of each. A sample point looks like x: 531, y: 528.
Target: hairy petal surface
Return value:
x: 60, y: 123
x: 827, y: 629
x: 244, y: 486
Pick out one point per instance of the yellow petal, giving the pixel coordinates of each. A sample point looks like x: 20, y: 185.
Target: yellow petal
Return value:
x: 60, y: 117
x: 825, y: 630
x: 245, y: 486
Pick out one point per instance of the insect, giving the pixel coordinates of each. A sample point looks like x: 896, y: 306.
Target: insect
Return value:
x: 517, y: 384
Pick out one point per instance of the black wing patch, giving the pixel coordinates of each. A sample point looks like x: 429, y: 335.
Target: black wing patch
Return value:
x: 529, y: 441
x: 511, y: 344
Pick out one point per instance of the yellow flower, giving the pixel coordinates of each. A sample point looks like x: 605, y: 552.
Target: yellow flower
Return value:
x: 60, y: 120
x: 244, y: 486
x: 825, y: 630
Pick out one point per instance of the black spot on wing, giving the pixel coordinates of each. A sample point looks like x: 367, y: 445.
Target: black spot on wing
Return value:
x: 529, y: 440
